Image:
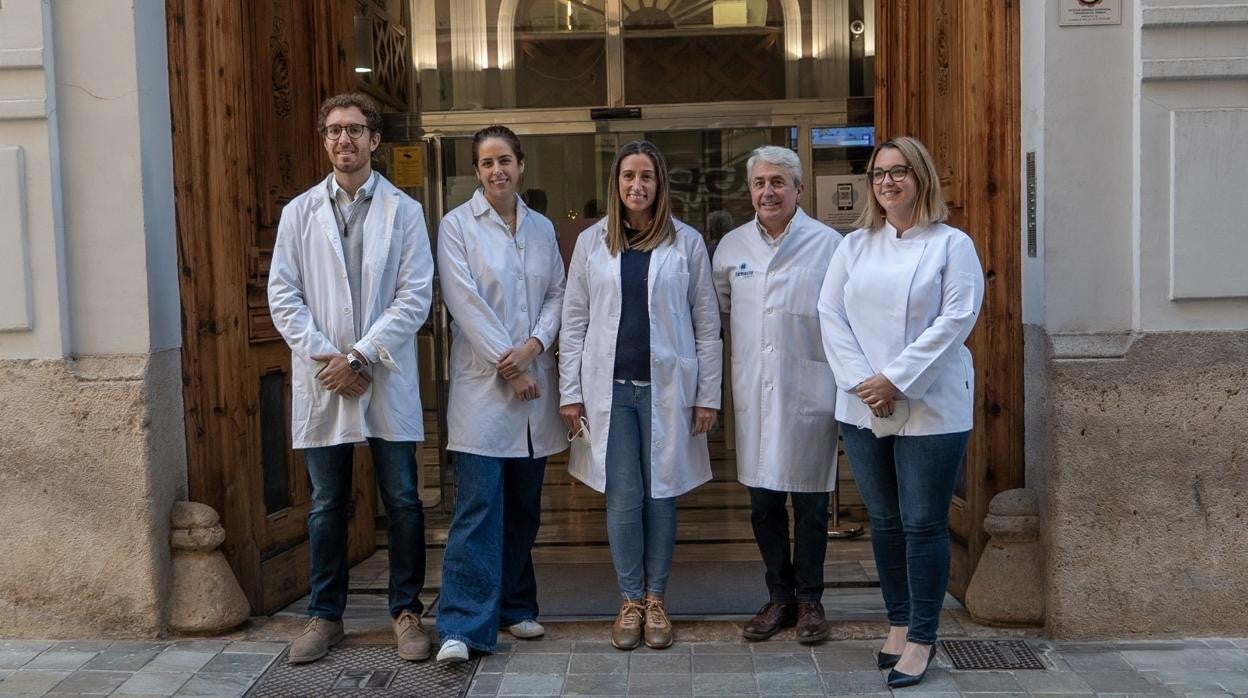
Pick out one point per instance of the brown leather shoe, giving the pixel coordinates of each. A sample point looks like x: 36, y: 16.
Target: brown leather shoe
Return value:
x: 626, y: 631
x: 659, y: 634
x: 410, y: 638
x: 770, y: 619
x: 315, y: 640
x: 812, y: 625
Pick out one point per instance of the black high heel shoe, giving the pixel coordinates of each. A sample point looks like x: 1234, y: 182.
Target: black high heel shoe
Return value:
x: 884, y: 660
x: 896, y: 679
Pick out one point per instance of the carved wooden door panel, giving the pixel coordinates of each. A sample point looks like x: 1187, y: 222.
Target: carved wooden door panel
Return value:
x: 948, y: 72
x: 246, y: 79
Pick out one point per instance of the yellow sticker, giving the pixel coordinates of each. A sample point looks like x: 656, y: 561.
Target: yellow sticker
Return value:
x: 409, y: 166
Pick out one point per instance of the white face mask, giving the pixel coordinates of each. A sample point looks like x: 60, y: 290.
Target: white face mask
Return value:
x: 581, y: 433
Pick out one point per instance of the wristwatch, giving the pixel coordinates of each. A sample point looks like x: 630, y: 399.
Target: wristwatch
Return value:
x: 355, y: 362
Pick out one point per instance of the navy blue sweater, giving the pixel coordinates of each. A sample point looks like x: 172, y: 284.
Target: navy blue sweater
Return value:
x: 632, y: 344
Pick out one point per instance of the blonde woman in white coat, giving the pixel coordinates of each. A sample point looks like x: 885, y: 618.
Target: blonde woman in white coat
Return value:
x: 898, y: 302
x: 502, y: 280
x: 639, y: 376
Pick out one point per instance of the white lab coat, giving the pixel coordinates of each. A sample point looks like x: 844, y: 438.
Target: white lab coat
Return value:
x: 904, y: 307
x: 783, y: 390
x: 500, y: 291
x: 685, y: 355
x: 310, y: 301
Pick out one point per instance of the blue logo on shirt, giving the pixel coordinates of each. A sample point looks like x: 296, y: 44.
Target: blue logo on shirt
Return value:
x: 744, y: 271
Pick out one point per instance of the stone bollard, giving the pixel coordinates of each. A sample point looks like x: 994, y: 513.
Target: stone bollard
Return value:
x: 1008, y: 585
x: 206, y: 597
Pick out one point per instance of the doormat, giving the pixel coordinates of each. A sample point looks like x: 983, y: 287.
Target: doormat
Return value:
x: 367, y: 671
x: 980, y: 655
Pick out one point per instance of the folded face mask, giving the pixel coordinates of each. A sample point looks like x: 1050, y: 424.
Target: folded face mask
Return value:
x: 581, y: 433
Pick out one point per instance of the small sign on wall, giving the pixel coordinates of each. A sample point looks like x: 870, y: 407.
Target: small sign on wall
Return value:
x: 1087, y: 13
x: 409, y: 166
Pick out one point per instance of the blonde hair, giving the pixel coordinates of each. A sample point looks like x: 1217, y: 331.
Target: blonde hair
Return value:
x: 929, y: 202
x: 661, y: 229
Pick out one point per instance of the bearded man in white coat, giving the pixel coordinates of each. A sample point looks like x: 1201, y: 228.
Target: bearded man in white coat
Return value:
x: 349, y: 286
x: 767, y: 274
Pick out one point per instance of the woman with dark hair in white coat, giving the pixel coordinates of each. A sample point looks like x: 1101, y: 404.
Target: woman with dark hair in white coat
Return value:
x: 502, y: 280
x: 639, y: 375
x: 899, y: 300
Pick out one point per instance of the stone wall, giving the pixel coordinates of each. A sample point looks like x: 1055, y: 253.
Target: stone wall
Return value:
x: 1146, y: 510
x: 91, y: 462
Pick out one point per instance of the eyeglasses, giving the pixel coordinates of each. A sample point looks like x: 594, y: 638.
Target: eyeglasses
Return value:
x: 897, y: 173
x: 334, y: 131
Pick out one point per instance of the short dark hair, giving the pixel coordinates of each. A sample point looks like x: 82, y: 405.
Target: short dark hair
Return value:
x: 346, y: 100
x: 506, y: 134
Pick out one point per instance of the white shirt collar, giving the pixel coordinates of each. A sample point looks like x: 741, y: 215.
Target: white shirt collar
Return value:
x: 774, y: 242
x: 343, y: 199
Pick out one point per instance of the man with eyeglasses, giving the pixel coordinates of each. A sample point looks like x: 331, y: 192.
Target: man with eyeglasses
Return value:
x: 349, y: 286
x: 768, y: 273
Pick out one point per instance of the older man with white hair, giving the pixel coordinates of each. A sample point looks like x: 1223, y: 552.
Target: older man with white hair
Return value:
x: 767, y: 274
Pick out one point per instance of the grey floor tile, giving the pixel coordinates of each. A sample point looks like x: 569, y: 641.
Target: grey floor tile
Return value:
x: 212, y: 646
x: 986, y: 682
x: 596, y: 685
x: 485, y: 685
x: 35, y: 646
x: 1188, y: 659
x: 138, y: 646
x: 82, y: 645
x: 659, y: 664
x: 59, y: 660
x: 537, y: 664
x: 543, y: 647
x: 1121, y: 682
x: 775, y: 684
x: 160, y: 684
x: 119, y: 660
x: 1096, y: 661
x: 660, y: 684
x: 531, y: 685
x: 598, y: 663
x: 786, y: 663
x: 493, y: 663
x: 723, y: 664
x: 1191, y: 681
x: 721, y: 647
x: 1052, y: 682
x: 1219, y: 643
x: 845, y: 658
x: 775, y: 646
x: 178, y: 661
x: 716, y: 684
x: 217, y: 685
x: 593, y: 647
x: 31, y: 682
x: 100, y: 683
x: 677, y: 648
x: 852, y: 683
x: 14, y: 659
x: 255, y: 647
x: 937, y: 680
x: 238, y: 663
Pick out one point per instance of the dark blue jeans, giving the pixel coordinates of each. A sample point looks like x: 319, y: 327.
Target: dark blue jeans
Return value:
x: 907, y: 484
x: 329, y: 469
x: 487, y: 574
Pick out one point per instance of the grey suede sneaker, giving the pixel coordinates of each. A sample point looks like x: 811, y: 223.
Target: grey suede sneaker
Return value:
x: 315, y: 640
x: 409, y: 635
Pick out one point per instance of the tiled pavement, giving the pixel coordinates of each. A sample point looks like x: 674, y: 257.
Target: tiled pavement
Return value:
x: 593, y: 668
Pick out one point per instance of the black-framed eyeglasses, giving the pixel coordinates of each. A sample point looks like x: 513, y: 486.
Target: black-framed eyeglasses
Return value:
x: 897, y: 173
x: 334, y: 131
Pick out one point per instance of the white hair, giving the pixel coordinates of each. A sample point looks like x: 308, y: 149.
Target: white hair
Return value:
x: 778, y: 156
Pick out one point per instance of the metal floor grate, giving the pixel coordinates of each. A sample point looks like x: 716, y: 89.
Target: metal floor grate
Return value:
x: 367, y: 671
x: 991, y: 654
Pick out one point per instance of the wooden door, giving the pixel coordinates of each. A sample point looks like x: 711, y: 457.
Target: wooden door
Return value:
x: 947, y: 71
x: 246, y: 79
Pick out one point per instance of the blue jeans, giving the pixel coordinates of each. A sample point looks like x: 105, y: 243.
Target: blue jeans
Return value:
x: 907, y: 484
x: 329, y: 469
x: 487, y: 574
x: 640, y: 528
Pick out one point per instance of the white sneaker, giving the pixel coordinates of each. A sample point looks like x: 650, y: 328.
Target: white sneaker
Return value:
x: 527, y: 629
x: 453, y: 652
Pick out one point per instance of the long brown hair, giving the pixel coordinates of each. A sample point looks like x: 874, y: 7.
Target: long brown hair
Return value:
x: 929, y: 202
x: 661, y: 229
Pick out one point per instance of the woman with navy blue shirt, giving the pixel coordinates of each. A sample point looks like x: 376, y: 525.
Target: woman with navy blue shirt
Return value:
x: 901, y: 295
x: 639, y: 377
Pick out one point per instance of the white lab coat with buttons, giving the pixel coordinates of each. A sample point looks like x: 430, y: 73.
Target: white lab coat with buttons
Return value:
x: 310, y: 301
x: 500, y: 291
x: 904, y: 307
x: 783, y: 390
x: 685, y: 355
